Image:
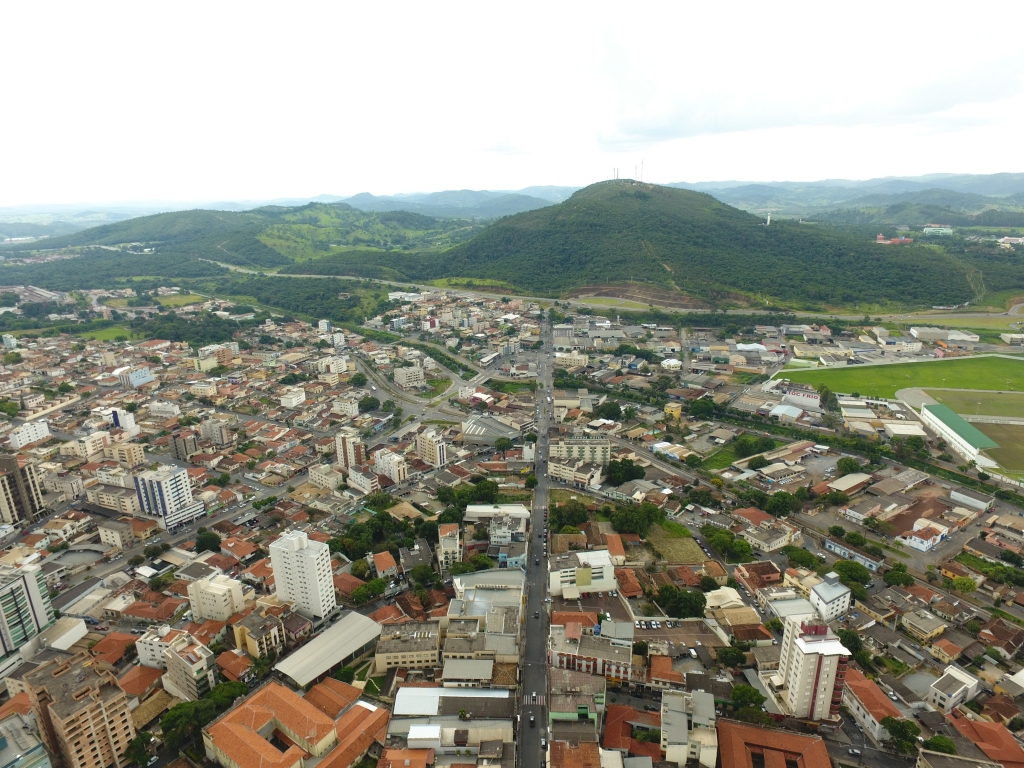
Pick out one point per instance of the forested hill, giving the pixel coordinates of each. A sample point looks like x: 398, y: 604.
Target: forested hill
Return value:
x: 618, y: 231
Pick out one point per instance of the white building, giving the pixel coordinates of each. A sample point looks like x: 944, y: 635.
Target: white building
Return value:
x: 575, y: 573
x: 324, y: 326
x: 953, y: 689
x: 218, y: 598
x: 965, y: 438
x: 830, y: 598
x: 166, y: 494
x: 410, y: 377
x: 812, y: 667
x: 391, y: 465
x: 349, y: 448
x: 293, y: 398
x: 27, y: 611
x: 430, y: 447
x: 868, y: 705
x: 191, y: 669
x: 688, y: 728
x: 29, y: 432
x: 302, y: 574
x: 449, y: 545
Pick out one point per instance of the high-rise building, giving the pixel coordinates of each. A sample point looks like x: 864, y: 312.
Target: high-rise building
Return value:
x: 430, y: 447
x: 132, y: 378
x: 191, y: 669
x: 81, y: 711
x: 218, y: 598
x: 166, y: 495
x: 183, y: 444
x: 812, y: 670
x: 449, y: 546
x: 350, y: 448
x: 215, y: 430
x: 324, y: 326
x: 302, y: 574
x: 20, y: 496
x: 28, y: 433
x: 25, y: 610
x: 119, y: 417
x: 10, y: 342
x: 391, y: 465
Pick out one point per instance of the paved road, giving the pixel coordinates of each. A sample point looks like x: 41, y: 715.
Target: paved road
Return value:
x: 535, y: 676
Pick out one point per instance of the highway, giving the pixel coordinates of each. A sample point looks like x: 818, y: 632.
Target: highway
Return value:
x: 534, y: 677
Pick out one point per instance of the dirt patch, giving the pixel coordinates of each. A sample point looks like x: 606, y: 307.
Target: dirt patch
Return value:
x: 644, y: 294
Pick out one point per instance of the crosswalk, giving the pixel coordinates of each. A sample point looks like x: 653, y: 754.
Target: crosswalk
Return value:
x: 529, y: 699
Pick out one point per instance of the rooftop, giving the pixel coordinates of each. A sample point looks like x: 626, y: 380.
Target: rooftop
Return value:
x: 350, y: 633
x: 746, y: 746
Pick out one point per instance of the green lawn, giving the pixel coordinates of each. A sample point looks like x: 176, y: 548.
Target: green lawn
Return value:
x: 437, y: 388
x: 676, y: 530
x: 108, y: 334
x: 181, y: 300
x: 1010, y: 453
x: 983, y: 403
x: 724, y: 457
x: 885, y: 380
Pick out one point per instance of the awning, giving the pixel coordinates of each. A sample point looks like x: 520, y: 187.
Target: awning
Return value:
x: 571, y: 593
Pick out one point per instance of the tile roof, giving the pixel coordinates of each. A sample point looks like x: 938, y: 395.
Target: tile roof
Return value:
x: 739, y: 743
x: 870, y: 696
x: 20, y: 704
x: 586, y: 754
x: 618, y: 730
x: 111, y: 648
x: 661, y: 669
x: 585, y: 618
x: 332, y: 697
x: 406, y: 758
x: 358, y: 729
x: 993, y: 739
x: 233, y: 665
x: 139, y: 679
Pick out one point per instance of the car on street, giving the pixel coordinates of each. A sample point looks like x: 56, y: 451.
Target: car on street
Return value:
x: 854, y: 751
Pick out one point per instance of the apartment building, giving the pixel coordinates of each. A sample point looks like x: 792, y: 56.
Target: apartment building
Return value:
x: 217, y: 598
x: 349, y: 447
x: 28, y: 433
x: 575, y: 573
x: 363, y: 479
x: 116, y: 533
x: 449, y: 545
x: 830, y: 598
x: 595, y: 449
x: 87, y: 446
x: 133, y: 378
x: 302, y: 574
x: 570, y: 648
x: 128, y: 455
x: 20, y: 496
x: 166, y: 495
x: 183, y: 444
x: 25, y: 610
x: 191, y: 669
x: 414, y: 645
x: 259, y: 635
x: 410, y: 377
x: 216, y: 431
x: 688, y: 732
x: 868, y: 705
x: 293, y: 398
x: 121, y: 500
x: 812, y: 671
x: 81, y: 712
x: 430, y: 447
x: 391, y: 465
x: 153, y: 645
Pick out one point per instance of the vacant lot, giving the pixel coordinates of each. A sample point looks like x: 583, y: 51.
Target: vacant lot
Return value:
x: 181, y: 300
x: 108, y: 334
x: 674, y: 547
x: 885, y: 380
x: 983, y: 403
x: 1010, y: 453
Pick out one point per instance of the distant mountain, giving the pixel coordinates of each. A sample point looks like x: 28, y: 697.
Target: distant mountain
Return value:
x: 463, y: 203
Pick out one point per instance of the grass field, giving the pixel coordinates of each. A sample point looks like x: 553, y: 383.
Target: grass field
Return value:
x: 983, y: 403
x: 1010, y: 453
x: 437, y: 388
x: 610, y: 301
x: 181, y: 300
x: 558, y: 496
x: 108, y: 334
x: 885, y: 380
x: 724, y: 457
x: 673, y: 547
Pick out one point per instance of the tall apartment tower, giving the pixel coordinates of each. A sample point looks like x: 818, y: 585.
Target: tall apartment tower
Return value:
x: 184, y: 444
x: 20, y: 495
x: 25, y: 610
x: 81, y: 711
x: 430, y: 447
x: 350, y: 449
x: 812, y: 666
x: 302, y: 574
x: 165, y: 494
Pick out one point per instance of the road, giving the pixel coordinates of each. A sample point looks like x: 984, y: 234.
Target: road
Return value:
x: 535, y: 675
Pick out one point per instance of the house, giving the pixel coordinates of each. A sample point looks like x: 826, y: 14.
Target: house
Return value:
x: 1003, y: 637
x: 923, y: 625
x: 868, y: 704
x: 953, y: 689
x: 994, y: 739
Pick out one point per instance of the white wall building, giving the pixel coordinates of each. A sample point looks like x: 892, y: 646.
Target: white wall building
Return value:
x: 218, y: 598
x: 293, y: 398
x: 166, y: 494
x: 407, y: 378
x: 812, y: 668
x: 688, y: 728
x: 29, y: 432
x: 575, y: 573
x: 302, y: 574
x: 830, y: 598
x: 391, y: 465
x: 953, y: 689
x: 430, y: 447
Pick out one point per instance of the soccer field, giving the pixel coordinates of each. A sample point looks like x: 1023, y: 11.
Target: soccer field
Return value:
x: 1010, y: 453
x: 981, y: 403
x: 885, y: 380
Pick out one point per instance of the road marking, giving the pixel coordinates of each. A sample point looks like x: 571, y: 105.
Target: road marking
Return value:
x: 528, y: 699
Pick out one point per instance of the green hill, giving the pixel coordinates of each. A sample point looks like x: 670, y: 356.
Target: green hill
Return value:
x: 684, y: 240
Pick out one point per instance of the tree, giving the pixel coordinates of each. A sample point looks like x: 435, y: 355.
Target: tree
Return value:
x: 940, y: 743
x: 964, y: 584
x: 856, y: 539
x: 609, y: 409
x: 346, y: 674
x: 153, y: 550
x: 368, y: 404
x: 781, y: 504
x: 708, y: 584
x: 799, y: 557
x: 694, y: 461
x: 620, y: 472
x: 632, y: 518
x: 731, y: 656
x: 740, y: 550
x: 973, y: 626
x: 775, y: 625
x: 702, y: 409
x: 531, y: 481
x: 758, y: 462
x: 647, y: 735
x: 851, y: 572
x: 847, y: 465
x: 569, y: 529
x: 358, y: 380
x: 12, y: 358
x: 681, y: 603
x: 503, y: 444
x: 851, y: 640
x: 423, y: 575
x: 754, y: 716
x: 137, y: 752
x: 747, y: 696
x: 898, y: 576
x: 136, y: 561
x: 207, y: 541
x: 902, y: 733
x: 481, y: 562
x: 640, y: 648
x: 837, y: 531
x: 360, y: 568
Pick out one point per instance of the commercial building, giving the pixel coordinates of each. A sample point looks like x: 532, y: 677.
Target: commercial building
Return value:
x: 868, y: 705
x: 812, y: 671
x: 923, y: 625
x: 965, y: 438
x: 166, y: 494
x: 218, y: 598
x: 21, y: 499
x: 133, y: 378
x: 595, y: 449
x: 25, y: 611
x: 116, y: 533
x: 430, y: 447
x: 830, y: 598
x: 128, y: 455
x: 293, y: 398
x: 576, y: 573
x: 302, y: 574
x: 688, y: 733
x: 570, y: 648
x: 28, y: 433
x: 954, y: 688
x: 19, y: 747
x: 183, y: 444
x: 81, y: 712
x: 414, y: 645
x: 409, y: 377
x: 350, y: 638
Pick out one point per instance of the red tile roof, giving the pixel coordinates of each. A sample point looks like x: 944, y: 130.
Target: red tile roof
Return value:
x: 661, y: 669
x: 111, y: 648
x: 332, y: 696
x: 739, y: 743
x: 878, y: 705
x: 358, y: 729
x: 993, y: 739
x: 618, y: 731
x: 346, y: 583
x: 629, y: 585
x: 233, y: 665
x: 140, y: 679
x: 585, y: 618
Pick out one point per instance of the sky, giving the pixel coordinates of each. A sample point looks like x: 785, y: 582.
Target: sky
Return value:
x: 239, y: 101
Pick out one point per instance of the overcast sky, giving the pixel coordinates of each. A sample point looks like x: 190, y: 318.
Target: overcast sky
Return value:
x: 243, y: 101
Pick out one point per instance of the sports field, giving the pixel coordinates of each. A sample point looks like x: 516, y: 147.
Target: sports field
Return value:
x: 181, y: 300
x: 981, y: 403
x: 1010, y: 453
x: 885, y: 380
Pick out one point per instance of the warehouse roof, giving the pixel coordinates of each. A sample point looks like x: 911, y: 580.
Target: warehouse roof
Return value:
x: 974, y: 436
x: 349, y: 634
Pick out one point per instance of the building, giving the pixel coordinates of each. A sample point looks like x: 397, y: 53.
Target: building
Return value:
x: 218, y: 598
x: 569, y: 647
x: 391, y: 465
x: 302, y: 574
x: 1004, y: 637
x: 830, y: 598
x: 350, y: 638
x: 191, y: 669
x: 972, y: 499
x: 25, y: 611
x: 166, y: 494
x: 576, y: 573
x: 954, y: 688
x: 128, y: 455
x: 216, y: 431
x: 965, y: 438
x: 19, y: 747
x: 133, y: 378
x: 812, y: 669
x: 688, y: 731
x: 868, y: 705
x: 430, y: 447
x: 993, y: 739
x: 750, y: 746
x: 28, y: 433
x: 595, y: 449
x: 81, y: 712
x: 10, y: 342
x: 183, y: 444
x: 349, y: 448
x: 923, y: 625
x: 413, y: 644
x: 410, y: 377
x: 449, y: 545
x: 116, y: 533
x: 293, y: 398
x: 21, y: 499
